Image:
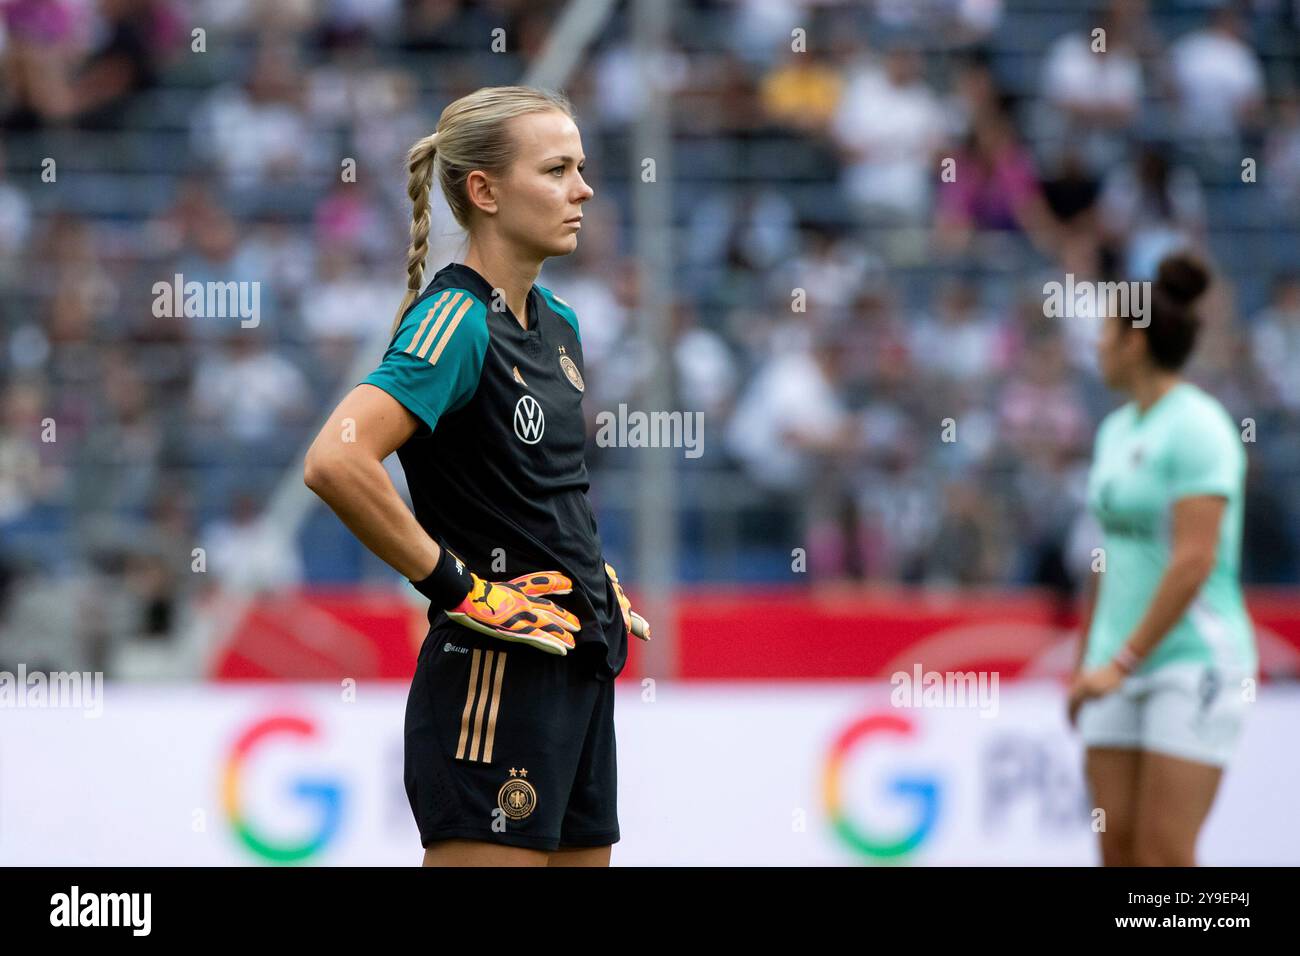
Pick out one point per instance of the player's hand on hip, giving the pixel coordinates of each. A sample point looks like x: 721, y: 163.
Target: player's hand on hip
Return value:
x: 515, y: 611
x: 635, y: 623
x: 1091, y: 684
x: 541, y: 583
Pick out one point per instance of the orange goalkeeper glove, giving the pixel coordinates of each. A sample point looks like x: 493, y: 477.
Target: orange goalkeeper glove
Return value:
x: 634, y: 622
x: 511, y: 610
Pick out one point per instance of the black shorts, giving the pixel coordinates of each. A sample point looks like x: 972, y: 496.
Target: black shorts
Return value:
x: 509, y: 744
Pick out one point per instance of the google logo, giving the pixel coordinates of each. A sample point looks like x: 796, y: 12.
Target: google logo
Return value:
x: 922, y: 792
x: 327, y: 794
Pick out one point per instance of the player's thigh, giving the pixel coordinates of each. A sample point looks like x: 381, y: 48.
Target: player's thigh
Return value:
x: 1111, y: 728
x: 591, y: 816
x: 1194, y: 717
x: 580, y: 856
x: 1174, y: 798
x: 1112, y: 774
x: 478, y: 853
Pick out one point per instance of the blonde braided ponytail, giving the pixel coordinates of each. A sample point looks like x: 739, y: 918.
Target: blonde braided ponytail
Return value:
x: 419, y: 161
x: 471, y: 134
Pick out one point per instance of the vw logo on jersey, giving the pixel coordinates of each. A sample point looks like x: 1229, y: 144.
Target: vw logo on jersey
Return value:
x: 529, y: 420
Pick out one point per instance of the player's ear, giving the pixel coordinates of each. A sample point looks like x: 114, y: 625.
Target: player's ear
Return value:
x: 481, y: 191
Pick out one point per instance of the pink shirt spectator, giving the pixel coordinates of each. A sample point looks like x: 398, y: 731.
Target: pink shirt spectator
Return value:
x: 988, y: 196
x: 38, y: 21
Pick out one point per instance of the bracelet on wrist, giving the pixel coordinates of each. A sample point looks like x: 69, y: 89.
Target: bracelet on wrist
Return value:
x: 448, y: 582
x: 1126, y: 660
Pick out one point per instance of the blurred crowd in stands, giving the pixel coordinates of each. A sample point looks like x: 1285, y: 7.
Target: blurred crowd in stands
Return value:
x: 868, y: 196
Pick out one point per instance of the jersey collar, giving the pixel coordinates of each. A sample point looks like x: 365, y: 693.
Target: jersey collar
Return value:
x: 465, y: 277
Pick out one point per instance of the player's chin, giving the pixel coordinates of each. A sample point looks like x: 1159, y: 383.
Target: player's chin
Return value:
x: 565, y: 244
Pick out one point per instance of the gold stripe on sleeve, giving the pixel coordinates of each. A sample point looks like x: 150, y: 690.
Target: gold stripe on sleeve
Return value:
x: 446, y: 336
x: 442, y: 317
x: 427, y: 316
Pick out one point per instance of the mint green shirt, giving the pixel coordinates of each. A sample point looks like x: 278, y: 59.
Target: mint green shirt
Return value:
x: 1183, y: 445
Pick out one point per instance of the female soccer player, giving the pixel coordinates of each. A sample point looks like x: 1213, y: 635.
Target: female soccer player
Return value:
x: 510, y: 750
x: 1169, y: 653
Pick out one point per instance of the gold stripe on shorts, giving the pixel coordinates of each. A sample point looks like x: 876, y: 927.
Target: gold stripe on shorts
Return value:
x: 496, y: 703
x: 469, y: 705
x: 477, y: 730
x: 483, y: 693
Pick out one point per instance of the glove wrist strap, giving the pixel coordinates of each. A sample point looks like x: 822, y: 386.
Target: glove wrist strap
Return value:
x: 447, y: 584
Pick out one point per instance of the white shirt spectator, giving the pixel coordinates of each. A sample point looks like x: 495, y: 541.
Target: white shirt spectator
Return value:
x: 962, y: 349
x: 246, y: 555
x: 831, y: 273
x: 619, y: 91
x: 957, y: 20
x: 349, y: 307
x: 706, y: 371
x: 249, y: 141
x: 1073, y: 75
x: 1275, y: 342
x: 896, y: 128
x: 1216, y: 75
x: 790, y: 394
x: 760, y: 26
x: 251, y: 393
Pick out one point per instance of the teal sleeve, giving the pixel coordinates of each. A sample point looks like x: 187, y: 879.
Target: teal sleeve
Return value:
x: 432, y: 366
x: 1207, y: 459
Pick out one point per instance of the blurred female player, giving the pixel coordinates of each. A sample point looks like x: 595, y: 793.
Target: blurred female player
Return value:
x: 1169, y: 654
x: 510, y: 750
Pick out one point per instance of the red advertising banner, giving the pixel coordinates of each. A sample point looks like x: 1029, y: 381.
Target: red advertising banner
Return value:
x: 374, y: 634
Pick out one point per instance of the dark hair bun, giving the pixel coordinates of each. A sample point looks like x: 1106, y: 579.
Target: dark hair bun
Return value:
x: 1182, y: 277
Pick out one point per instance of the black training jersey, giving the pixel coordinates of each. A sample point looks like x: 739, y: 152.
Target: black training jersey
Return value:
x: 497, y: 469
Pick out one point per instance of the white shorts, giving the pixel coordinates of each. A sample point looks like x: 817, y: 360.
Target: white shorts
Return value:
x: 1192, y: 711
